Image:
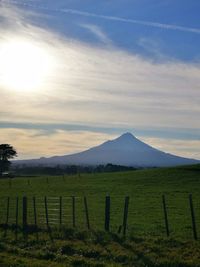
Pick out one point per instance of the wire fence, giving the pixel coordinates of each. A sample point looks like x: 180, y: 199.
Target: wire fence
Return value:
x: 169, y: 215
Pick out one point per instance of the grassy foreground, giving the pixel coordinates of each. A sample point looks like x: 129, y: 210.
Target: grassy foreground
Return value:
x: 97, y: 249
x: 146, y: 243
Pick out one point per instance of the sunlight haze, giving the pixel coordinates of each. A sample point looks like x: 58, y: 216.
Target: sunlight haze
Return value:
x: 72, y: 77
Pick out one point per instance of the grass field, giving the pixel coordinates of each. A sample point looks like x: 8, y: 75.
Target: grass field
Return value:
x: 144, y: 187
x: 72, y: 248
x: 146, y: 243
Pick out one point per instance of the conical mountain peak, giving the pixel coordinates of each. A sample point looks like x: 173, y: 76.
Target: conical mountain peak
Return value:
x: 126, y: 150
x: 127, y: 136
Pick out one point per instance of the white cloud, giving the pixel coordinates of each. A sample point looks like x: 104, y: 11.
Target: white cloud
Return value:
x: 97, y: 31
x: 184, y: 148
x: 100, y: 85
x: 37, y: 143
x: 32, y: 143
x: 108, y: 86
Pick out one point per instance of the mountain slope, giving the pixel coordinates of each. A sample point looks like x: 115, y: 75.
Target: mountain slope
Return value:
x: 125, y: 150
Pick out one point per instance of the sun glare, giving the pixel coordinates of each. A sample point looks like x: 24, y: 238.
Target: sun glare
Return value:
x: 23, y: 65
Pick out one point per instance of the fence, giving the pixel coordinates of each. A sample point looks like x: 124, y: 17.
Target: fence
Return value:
x: 116, y: 215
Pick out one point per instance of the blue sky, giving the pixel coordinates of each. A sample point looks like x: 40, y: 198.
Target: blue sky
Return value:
x: 117, y: 66
x: 142, y: 39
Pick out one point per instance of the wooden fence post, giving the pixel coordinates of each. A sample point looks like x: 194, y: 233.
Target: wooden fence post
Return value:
x: 47, y: 218
x: 60, y: 211
x: 126, y: 204
x: 7, y: 216
x: 7, y: 211
x: 193, y: 217
x: 107, y: 213
x: 73, y: 212
x: 17, y: 212
x: 16, y: 217
x: 165, y: 215
x: 86, y: 213
x: 24, y: 212
x: 35, y: 217
x: 46, y: 211
x: 34, y: 212
x: 24, y: 217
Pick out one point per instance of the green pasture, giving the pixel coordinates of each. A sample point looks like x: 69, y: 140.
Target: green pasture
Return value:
x: 144, y: 187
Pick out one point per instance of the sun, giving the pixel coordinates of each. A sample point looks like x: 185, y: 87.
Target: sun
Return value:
x: 24, y: 65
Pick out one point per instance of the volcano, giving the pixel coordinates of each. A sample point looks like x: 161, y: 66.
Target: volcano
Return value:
x: 125, y: 150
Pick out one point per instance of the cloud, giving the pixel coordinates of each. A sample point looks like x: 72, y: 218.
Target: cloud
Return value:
x: 34, y: 143
x: 105, y: 17
x: 184, y: 148
x: 152, y: 47
x: 97, y: 86
x: 92, y: 85
x: 134, y: 21
x: 97, y: 31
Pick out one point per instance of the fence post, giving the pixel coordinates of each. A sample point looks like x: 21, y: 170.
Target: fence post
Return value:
x: 193, y: 217
x: 47, y: 218
x: 24, y: 212
x: 7, y: 211
x: 7, y: 216
x: 16, y: 217
x: 17, y: 212
x: 165, y: 215
x: 46, y: 211
x: 73, y: 212
x: 107, y: 214
x: 34, y: 212
x: 126, y: 204
x: 86, y: 213
x: 60, y: 212
x: 35, y: 217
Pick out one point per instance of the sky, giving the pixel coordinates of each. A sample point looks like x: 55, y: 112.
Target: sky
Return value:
x: 74, y: 74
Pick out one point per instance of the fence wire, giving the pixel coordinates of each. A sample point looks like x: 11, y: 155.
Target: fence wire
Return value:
x: 145, y: 215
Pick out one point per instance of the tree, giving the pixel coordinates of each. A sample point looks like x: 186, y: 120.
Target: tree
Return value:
x: 7, y: 152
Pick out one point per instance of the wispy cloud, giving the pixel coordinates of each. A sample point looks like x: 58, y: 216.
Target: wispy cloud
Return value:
x: 152, y: 47
x: 105, y: 17
x: 98, y: 87
x: 34, y: 143
x: 104, y: 85
x: 188, y: 148
x: 133, y: 21
x: 97, y: 31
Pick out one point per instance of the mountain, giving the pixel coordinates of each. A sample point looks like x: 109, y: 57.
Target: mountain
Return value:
x: 125, y: 150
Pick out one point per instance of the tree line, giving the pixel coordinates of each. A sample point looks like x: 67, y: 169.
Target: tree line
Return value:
x: 7, y: 152
x: 23, y: 170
